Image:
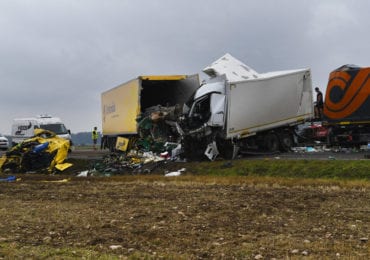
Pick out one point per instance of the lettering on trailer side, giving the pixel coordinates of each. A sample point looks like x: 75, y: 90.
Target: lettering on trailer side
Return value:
x: 22, y: 128
x: 108, y: 109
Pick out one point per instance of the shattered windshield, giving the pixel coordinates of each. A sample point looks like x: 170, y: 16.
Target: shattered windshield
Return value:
x: 56, y: 128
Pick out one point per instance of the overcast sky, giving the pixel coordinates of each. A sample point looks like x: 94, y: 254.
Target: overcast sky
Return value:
x: 57, y: 57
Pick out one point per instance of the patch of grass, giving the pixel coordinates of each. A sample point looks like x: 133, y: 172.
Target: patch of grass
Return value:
x: 342, y: 170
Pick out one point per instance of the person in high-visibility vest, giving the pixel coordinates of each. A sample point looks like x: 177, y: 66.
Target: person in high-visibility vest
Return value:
x: 95, y: 136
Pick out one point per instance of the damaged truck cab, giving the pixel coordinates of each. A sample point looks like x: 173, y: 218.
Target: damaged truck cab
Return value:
x: 241, y: 110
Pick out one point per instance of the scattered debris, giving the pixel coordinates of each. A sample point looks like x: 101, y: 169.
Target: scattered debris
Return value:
x: 83, y: 174
x: 305, y: 252
x: 58, y: 181
x: 114, y: 247
x: 228, y: 164
x: 175, y: 173
x: 310, y: 149
x: 259, y: 256
x: 45, y: 151
x: 8, y: 179
x: 131, y: 163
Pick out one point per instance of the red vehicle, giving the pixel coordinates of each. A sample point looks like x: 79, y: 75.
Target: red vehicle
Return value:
x: 313, y: 131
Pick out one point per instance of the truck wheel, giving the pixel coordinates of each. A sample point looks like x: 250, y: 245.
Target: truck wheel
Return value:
x: 194, y: 149
x: 271, y: 142
x: 286, y: 141
x: 226, y: 149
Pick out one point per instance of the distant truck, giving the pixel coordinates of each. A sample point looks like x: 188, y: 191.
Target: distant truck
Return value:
x: 123, y: 105
x: 240, y: 110
x: 23, y: 128
x: 347, y: 106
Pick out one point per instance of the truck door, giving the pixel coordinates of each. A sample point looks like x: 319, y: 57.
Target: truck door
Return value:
x: 217, y: 107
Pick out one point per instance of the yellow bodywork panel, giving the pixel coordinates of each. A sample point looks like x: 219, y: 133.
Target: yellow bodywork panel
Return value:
x: 2, y: 161
x: 63, y: 166
x: 122, y: 144
x: 118, y: 118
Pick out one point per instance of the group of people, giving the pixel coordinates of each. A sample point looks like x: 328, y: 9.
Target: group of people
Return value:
x: 95, y: 137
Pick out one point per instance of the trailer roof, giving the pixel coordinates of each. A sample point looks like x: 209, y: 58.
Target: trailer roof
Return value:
x: 163, y: 77
x: 235, y: 70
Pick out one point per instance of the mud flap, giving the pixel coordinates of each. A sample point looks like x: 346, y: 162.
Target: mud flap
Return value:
x: 235, y: 151
x: 211, y: 151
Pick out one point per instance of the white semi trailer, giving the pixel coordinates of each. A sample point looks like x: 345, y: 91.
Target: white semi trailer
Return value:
x: 239, y: 109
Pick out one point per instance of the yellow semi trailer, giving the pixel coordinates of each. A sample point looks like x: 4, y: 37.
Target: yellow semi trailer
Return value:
x: 122, y: 105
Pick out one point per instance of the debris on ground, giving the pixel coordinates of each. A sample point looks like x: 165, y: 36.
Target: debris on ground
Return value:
x: 8, y: 179
x: 324, y: 148
x: 132, y: 162
x: 156, y: 145
x: 175, y: 173
x: 44, y: 152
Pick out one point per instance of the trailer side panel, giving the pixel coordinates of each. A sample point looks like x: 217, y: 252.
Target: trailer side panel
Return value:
x: 120, y: 108
x: 267, y: 103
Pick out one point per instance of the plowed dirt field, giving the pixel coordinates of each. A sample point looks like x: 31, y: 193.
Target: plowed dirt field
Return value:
x: 188, y: 217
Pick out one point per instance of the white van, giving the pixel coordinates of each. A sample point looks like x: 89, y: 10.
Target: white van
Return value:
x: 23, y: 128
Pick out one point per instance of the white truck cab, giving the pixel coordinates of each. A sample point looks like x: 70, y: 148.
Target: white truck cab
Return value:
x: 23, y: 128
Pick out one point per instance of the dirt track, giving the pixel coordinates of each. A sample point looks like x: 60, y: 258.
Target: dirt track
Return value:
x: 186, y: 217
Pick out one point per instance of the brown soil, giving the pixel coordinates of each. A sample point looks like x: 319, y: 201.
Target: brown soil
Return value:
x: 185, y: 217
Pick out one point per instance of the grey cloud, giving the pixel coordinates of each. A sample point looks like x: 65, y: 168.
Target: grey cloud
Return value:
x: 58, y: 56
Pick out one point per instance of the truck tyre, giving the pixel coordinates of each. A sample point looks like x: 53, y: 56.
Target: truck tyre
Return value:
x: 194, y: 148
x: 226, y: 149
x: 330, y: 137
x: 271, y: 142
x: 286, y: 141
x: 111, y: 143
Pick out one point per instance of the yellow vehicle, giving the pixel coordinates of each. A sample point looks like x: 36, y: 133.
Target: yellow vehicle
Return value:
x: 44, y: 151
x: 123, y: 105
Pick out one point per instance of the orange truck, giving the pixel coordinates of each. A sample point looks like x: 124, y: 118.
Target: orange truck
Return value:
x: 347, y: 106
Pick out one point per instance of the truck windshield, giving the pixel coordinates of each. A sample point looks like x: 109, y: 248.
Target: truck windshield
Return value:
x: 56, y: 128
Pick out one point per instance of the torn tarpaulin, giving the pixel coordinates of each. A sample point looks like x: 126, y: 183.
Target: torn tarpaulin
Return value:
x: 45, y: 151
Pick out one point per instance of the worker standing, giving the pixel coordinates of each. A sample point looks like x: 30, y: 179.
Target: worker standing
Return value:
x: 95, y: 136
x: 319, y: 106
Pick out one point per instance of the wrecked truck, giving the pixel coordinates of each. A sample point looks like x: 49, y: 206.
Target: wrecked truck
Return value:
x: 240, y: 110
x: 140, y: 106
